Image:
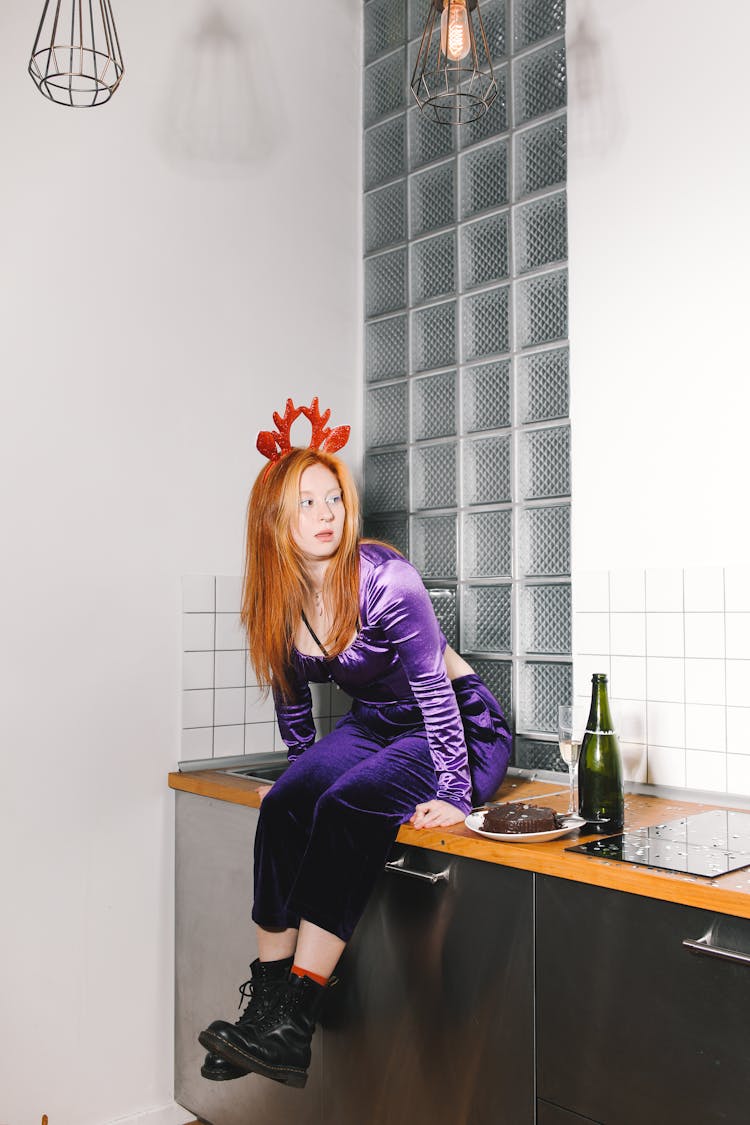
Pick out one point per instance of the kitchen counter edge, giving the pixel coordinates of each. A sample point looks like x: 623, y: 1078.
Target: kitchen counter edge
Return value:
x: 728, y: 894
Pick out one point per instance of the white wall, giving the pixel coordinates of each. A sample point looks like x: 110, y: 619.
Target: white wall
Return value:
x: 660, y: 389
x: 172, y: 265
x: 659, y: 244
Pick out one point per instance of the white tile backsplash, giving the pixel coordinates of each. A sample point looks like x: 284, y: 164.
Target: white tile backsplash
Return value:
x: 704, y: 634
x: 628, y: 677
x: 628, y: 634
x: 197, y: 709
x: 665, y: 634
x: 634, y: 761
x: 340, y: 702
x: 230, y: 669
x: 229, y: 707
x: 591, y: 592
x: 197, y: 743
x: 228, y: 594
x: 584, y: 667
x: 229, y: 632
x: 321, y: 699
x: 664, y: 591
x: 260, y: 738
x: 737, y: 589
x: 630, y: 718
x: 627, y: 591
x: 738, y: 774
x: 688, y: 674
x: 198, y: 632
x: 258, y: 705
x: 705, y: 727
x: 666, y: 765
x: 591, y: 632
x: 738, y: 636
x: 665, y: 679
x: 738, y: 730
x: 665, y: 724
x: 705, y: 682
x: 224, y: 712
x: 229, y: 742
x: 704, y: 589
x: 738, y: 683
x: 197, y: 670
x: 706, y: 771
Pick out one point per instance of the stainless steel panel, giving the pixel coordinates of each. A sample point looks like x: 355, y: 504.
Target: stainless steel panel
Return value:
x: 215, y: 943
x: 432, y: 1021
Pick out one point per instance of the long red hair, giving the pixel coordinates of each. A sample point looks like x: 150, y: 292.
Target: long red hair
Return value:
x: 276, y: 580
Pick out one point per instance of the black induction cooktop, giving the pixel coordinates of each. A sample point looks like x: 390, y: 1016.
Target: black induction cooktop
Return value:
x: 708, y: 844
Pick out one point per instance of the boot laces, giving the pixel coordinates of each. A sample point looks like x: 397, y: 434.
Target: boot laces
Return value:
x: 247, y: 992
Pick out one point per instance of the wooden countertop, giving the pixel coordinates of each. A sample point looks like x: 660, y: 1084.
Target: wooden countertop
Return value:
x: 729, y: 894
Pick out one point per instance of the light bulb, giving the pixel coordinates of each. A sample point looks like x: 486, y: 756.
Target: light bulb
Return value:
x: 455, y: 36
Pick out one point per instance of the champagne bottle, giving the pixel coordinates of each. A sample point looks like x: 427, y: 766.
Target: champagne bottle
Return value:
x: 600, y: 793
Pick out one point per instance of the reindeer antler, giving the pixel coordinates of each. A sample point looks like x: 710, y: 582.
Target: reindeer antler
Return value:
x: 273, y: 444
x: 323, y: 437
x: 268, y: 440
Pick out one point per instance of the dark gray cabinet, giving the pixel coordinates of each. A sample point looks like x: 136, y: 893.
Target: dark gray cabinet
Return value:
x: 632, y: 1025
x: 548, y: 1114
x: 432, y: 1023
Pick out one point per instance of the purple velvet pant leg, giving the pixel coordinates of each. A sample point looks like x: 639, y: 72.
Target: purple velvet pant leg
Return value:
x: 327, y: 826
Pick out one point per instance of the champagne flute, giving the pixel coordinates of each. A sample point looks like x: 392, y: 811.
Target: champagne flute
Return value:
x: 570, y: 749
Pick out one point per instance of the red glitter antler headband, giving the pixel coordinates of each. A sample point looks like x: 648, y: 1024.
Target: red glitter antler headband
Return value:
x: 273, y: 444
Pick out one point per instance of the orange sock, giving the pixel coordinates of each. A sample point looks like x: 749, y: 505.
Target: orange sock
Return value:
x: 300, y: 972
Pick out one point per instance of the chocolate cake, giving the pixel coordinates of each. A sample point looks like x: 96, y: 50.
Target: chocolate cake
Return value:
x: 516, y: 818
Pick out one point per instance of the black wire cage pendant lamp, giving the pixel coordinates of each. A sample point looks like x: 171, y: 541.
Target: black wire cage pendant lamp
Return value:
x: 76, y: 58
x: 453, y: 80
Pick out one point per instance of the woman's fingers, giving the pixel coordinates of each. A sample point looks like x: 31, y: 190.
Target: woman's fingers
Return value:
x: 436, y: 814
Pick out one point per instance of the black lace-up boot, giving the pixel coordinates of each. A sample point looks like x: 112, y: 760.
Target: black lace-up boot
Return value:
x: 266, y: 980
x: 277, y: 1045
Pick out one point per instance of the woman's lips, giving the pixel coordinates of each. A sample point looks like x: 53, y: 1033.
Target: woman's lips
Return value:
x: 324, y: 535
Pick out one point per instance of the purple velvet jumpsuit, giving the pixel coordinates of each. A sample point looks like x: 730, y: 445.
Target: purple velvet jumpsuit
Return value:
x: 327, y: 826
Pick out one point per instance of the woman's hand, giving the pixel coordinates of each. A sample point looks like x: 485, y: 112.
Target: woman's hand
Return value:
x: 436, y: 814
x: 262, y: 790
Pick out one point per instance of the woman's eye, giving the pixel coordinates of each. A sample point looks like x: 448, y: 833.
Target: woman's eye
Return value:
x: 333, y: 500
x: 305, y: 503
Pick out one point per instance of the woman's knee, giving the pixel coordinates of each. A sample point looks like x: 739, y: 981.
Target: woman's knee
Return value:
x: 284, y: 796
x: 351, y: 800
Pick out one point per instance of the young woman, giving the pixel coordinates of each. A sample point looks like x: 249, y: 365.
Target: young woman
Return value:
x: 424, y: 740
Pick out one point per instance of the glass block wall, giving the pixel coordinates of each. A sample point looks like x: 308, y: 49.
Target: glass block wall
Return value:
x: 467, y: 462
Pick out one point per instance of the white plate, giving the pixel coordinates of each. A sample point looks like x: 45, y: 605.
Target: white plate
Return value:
x: 474, y: 822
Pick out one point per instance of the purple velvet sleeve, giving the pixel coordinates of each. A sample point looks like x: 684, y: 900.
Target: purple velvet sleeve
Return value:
x: 294, y: 716
x: 398, y: 604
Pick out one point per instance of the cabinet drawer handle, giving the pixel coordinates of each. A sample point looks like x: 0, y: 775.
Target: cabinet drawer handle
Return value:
x: 399, y: 866
x: 708, y: 950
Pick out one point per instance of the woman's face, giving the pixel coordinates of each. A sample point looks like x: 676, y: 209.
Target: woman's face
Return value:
x: 319, y: 523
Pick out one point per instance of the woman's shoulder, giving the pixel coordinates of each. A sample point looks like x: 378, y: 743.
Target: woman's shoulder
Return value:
x: 374, y: 555
x: 384, y: 569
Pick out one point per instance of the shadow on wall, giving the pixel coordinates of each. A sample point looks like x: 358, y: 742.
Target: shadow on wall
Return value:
x: 218, y: 110
x: 591, y: 89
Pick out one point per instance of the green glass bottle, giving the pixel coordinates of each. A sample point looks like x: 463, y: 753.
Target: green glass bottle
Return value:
x: 600, y: 795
